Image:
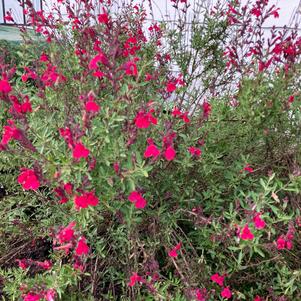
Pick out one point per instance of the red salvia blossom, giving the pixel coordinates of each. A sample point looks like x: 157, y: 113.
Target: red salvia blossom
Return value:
x: 170, y: 153
x: 28, y: 179
x: 32, y: 297
x: 194, y: 151
x: 143, y: 120
x: 218, y: 279
x: 99, y: 58
x: 10, y: 132
x: 257, y: 298
x: 82, y: 247
x: 5, y: 86
x: 248, y: 168
x: 174, y: 251
x: 103, y: 18
x: 66, y: 234
x: 136, y: 198
x: 171, y: 86
x: 226, y: 293
x: 134, y: 279
x: 258, y: 221
x: 151, y: 151
x: 44, y: 58
x: 206, y: 109
x: 68, y: 187
x: 80, y: 151
x: 246, y: 233
x: 92, y: 106
x: 85, y: 200
x: 130, y: 67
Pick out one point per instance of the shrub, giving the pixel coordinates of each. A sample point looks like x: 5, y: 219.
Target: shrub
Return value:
x: 126, y: 181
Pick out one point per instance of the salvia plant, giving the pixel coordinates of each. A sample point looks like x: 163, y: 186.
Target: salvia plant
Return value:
x: 137, y: 164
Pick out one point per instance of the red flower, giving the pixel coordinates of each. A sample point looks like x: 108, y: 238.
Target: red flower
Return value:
x: 92, y: 106
x: 134, y: 278
x: 100, y: 57
x: 218, y: 279
x: 281, y: 243
x: 67, y: 233
x: 82, y: 248
x: 136, y: 198
x: 68, y: 187
x: 44, y: 58
x: 10, y: 132
x: 151, y: 151
x: 176, y: 112
x: 206, y: 109
x: 46, y: 264
x: 246, y: 233
x: 226, y: 293
x: 257, y: 298
x: 28, y: 179
x: 130, y: 68
x: 23, y: 264
x: 85, y: 200
x: 5, y: 87
x: 170, y: 153
x: 194, y: 151
x: 170, y: 87
x: 144, y: 120
x: 32, y: 297
x: 258, y: 221
x: 174, y: 252
x: 103, y: 18
x: 80, y: 151
x: 248, y: 168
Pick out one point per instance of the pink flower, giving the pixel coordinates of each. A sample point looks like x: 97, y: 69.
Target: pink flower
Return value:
x: 28, y: 179
x: 10, y: 132
x: 68, y: 187
x: 218, y: 279
x: 46, y: 264
x: 85, y: 200
x: 248, y: 168
x: 257, y: 298
x: 206, y: 109
x: 144, y: 120
x: 80, y: 151
x: 246, y: 233
x: 32, y: 297
x: 100, y: 57
x: 258, y: 221
x: 50, y: 295
x: 194, y: 151
x: 5, y: 87
x: 136, y: 198
x: 281, y: 243
x: 226, y: 293
x: 134, y: 279
x: 44, y: 58
x: 130, y: 68
x: 66, y: 234
x: 92, y: 106
x: 170, y: 87
x: 103, y: 18
x: 82, y: 248
x: 170, y: 153
x: 201, y: 294
x: 174, y: 252
x: 23, y: 264
x: 176, y: 112
x: 151, y: 151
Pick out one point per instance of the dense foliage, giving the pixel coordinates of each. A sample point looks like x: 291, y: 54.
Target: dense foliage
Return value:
x: 124, y: 179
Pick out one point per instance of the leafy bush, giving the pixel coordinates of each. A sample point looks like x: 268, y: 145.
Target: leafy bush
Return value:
x: 126, y: 181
